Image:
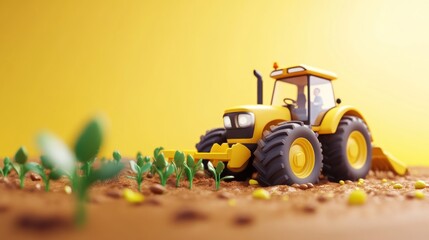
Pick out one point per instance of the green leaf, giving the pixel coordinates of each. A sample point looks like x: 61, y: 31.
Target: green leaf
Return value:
x: 105, y: 172
x: 211, y: 168
x: 36, y: 168
x: 190, y: 161
x: 6, y: 161
x: 146, y: 167
x: 199, y: 165
x: 227, y: 177
x: 160, y: 162
x: 179, y: 159
x: 55, y: 174
x: 117, y: 156
x: 21, y: 155
x: 57, y: 152
x: 157, y: 151
x: 170, y: 170
x: 134, y: 166
x: 89, y: 142
x: 7, y: 169
x: 140, y: 160
x: 188, y: 172
x: 46, y: 163
x: 220, y: 167
x: 146, y: 159
x: 17, y: 168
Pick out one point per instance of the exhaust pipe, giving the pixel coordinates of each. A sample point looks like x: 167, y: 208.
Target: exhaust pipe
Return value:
x: 259, y: 86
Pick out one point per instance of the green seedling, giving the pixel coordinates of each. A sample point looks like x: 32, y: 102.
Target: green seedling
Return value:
x: 217, y: 172
x: 46, y: 171
x: 117, y: 156
x: 191, y: 168
x: 85, y: 151
x: 161, y: 166
x: 86, y: 167
x: 142, y: 165
x: 179, y: 165
x: 7, y: 166
x: 19, y: 166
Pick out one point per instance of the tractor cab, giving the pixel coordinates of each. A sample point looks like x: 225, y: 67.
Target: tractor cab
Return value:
x: 307, y: 92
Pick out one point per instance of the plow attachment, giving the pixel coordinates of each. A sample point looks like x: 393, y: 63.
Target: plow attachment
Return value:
x: 383, y: 161
x: 236, y: 155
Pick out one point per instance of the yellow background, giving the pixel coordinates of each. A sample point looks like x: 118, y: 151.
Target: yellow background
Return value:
x: 164, y: 71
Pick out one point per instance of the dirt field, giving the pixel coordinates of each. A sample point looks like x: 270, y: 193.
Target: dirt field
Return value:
x: 321, y: 212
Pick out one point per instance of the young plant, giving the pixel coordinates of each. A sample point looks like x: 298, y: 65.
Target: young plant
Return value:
x: 217, y: 172
x: 46, y: 171
x: 142, y: 165
x: 19, y: 166
x: 117, y: 156
x: 191, y: 168
x: 85, y: 151
x: 179, y: 166
x: 161, y: 166
x: 7, y: 166
x: 86, y: 167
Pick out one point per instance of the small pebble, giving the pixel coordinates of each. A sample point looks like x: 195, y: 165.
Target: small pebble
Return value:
x: 419, y: 194
x: 309, y: 208
x: 322, y: 198
x: 153, y: 201
x: 361, y: 180
x: 114, y: 193
x: 295, y: 185
x: 410, y: 195
x: 303, y: 186
x: 392, y: 194
x: 38, y: 187
x: 243, y: 220
x: 261, y: 194
x: 133, y: 197
x: 397, y: 186
x: 253, y: 182
x: 384, y: 180
x: 360, y: 184
x: 349, y: 182
x: 149, y: 175
x: 157, y: 189
x: 224, y: 195
x: 34, y: 177
x: 200, y: 174
x: 310, y: 185
x: 185, y: 215
x: 357, y: 197
x: 420, y: 184
x: 67, y: 189
x: 341, y: 182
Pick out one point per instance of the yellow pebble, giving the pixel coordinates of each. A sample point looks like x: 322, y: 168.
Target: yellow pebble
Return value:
x: 285, y: 198
x: 253, y: 182
x: 341, y: 182
x: 419, y: 194
x: 384, y: 180
x: 361, y: 180
x: 357, y: 197
x: 360, y: 184
x: 397, y: 186
x: 420, y: 184
x: 261, y: 194
x: 232, y: 202
x: 68, y: 189
x: 133, y: 197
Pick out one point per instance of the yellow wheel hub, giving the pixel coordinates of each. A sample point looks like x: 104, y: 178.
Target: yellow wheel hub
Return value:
x: 302, y: 157
x: 356, y: 150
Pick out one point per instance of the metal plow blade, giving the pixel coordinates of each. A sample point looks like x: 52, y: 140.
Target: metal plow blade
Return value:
x: 384, y: 161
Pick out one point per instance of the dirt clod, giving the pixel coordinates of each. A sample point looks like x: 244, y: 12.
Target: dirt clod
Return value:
x: 187, y: 214
x: 295, y: 185
x: 200, y: 174
x: 114, y: 193
x: 157, y: 189
x: 38, y: 187
x: 34, y: 177
x: 309, y: 208
x: 310, y: 185
x: 224, y: 195
x: 149, y: 175
x: 303, y: 186
x: 42, y: 222
x: 243, y: 219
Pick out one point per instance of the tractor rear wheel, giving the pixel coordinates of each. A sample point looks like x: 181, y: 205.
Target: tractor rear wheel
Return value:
x: 289, y: 153
x: 347, y: 154
x: 218, y: 135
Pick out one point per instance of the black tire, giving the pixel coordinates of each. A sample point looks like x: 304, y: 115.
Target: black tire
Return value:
x: 272, y: 155
x: 218, y: 135
x: 336, y: 164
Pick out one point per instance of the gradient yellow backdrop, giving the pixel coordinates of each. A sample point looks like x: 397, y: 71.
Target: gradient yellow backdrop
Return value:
x: 164, y: 71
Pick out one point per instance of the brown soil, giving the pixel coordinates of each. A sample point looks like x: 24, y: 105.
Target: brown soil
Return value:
x: 321, y: 212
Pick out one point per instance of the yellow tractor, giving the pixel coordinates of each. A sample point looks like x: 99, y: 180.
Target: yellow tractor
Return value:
x: 305, y: 132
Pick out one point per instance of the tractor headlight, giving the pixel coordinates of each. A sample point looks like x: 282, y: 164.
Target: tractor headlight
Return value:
x: 245, y: 120
x: 227, y: 122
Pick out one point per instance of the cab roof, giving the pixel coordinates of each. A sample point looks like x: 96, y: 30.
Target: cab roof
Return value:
x: 301, y: 70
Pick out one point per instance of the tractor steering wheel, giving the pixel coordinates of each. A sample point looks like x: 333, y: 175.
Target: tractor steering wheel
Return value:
x: 286, y: 100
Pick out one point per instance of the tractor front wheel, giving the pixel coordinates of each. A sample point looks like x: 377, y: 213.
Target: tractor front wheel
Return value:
x: 289, y: 153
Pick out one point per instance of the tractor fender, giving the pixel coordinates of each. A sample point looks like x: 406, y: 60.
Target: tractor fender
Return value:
x: 333, y: 117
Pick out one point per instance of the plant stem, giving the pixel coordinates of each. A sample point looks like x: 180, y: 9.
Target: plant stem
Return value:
x: 21, y: 180
x: 191, y: 179
x: 47, y: 185
x: 80, y: 216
